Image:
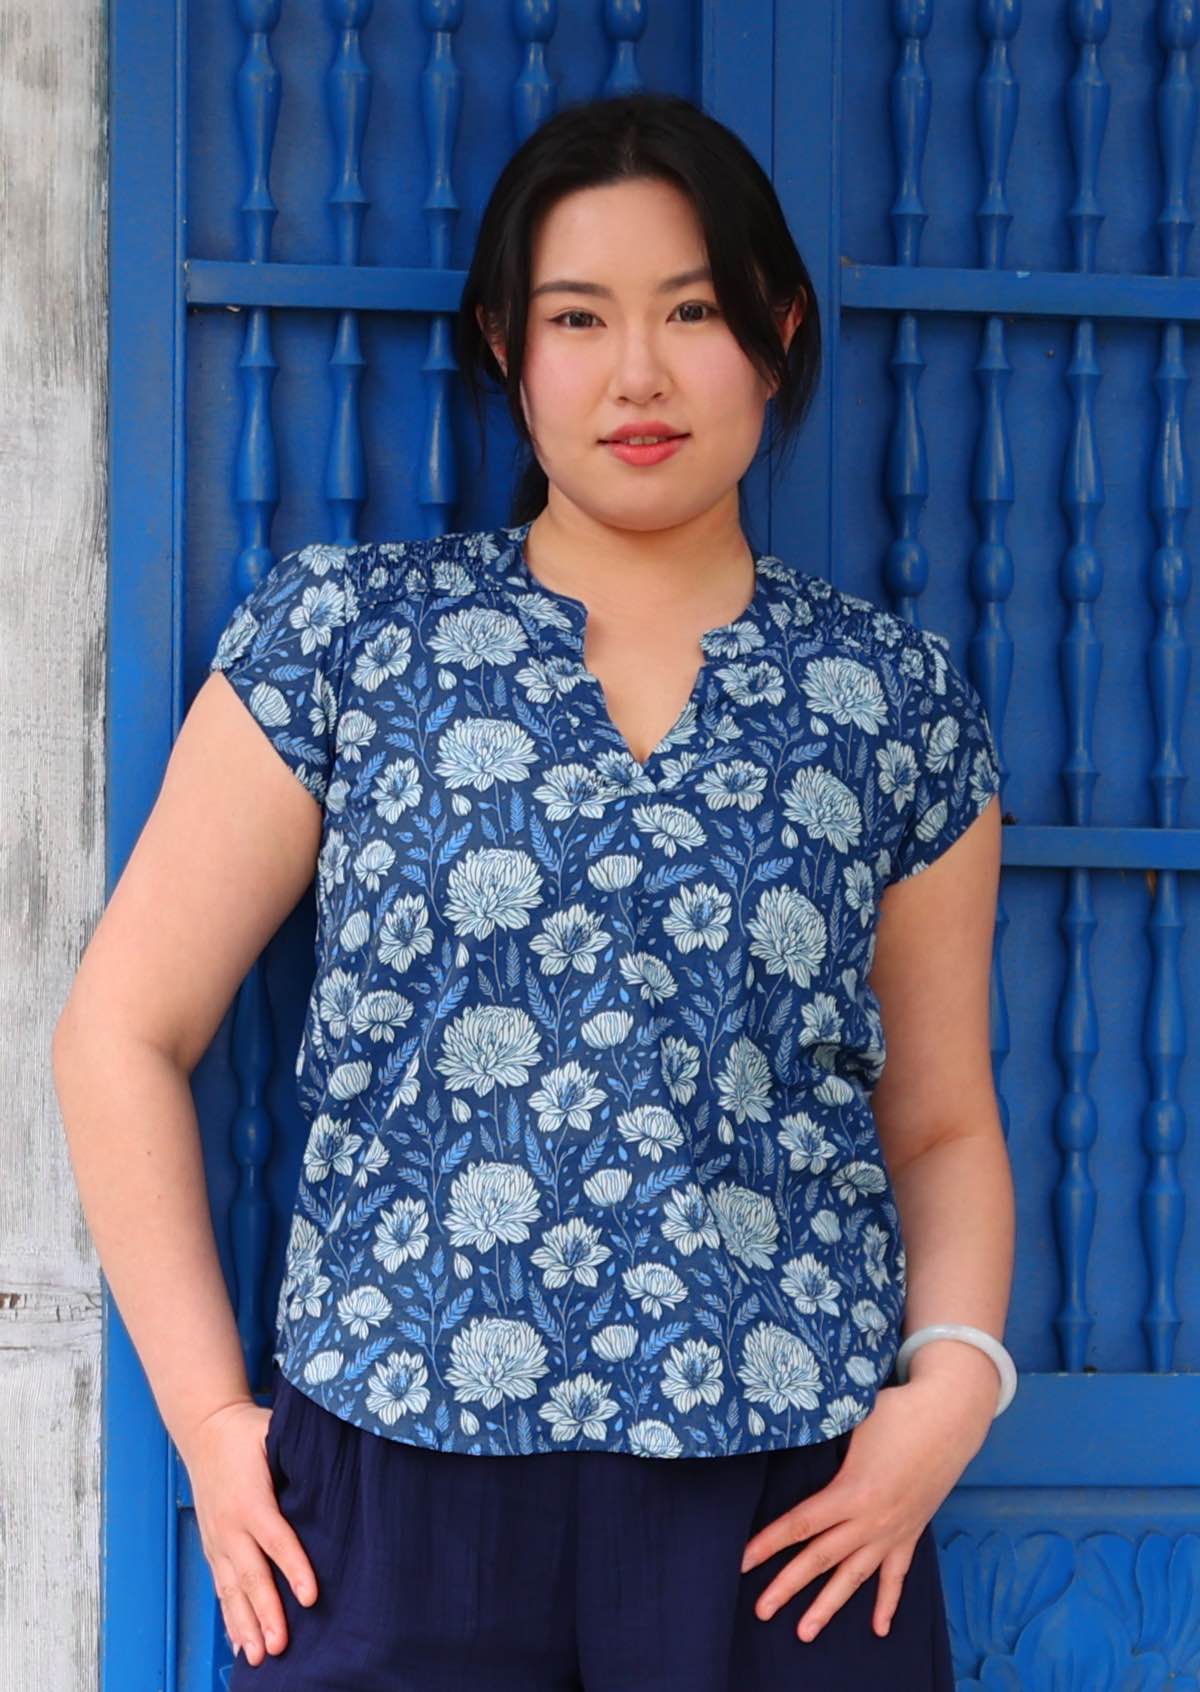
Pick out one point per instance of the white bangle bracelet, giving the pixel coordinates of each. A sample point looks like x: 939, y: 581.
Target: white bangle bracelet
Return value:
x: 975, y: 1336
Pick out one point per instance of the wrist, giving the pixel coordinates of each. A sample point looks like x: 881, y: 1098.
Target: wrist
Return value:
x: 191, y: 1434
x: 960, y: 1367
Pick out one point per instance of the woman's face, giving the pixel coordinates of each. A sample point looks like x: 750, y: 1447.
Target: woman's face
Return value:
x: 628, y: 348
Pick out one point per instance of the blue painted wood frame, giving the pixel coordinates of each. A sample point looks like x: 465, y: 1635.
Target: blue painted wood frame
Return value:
x: 1107, y: 1454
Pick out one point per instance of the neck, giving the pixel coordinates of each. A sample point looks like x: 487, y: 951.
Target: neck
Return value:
x: 702, y: 574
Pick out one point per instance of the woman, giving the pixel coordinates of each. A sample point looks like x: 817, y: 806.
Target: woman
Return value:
x: 596, y: 1274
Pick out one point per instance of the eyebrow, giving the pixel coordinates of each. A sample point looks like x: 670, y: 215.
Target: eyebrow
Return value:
x: 565, y: 285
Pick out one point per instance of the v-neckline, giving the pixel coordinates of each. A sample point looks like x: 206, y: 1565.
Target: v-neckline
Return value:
x: 724, y: 640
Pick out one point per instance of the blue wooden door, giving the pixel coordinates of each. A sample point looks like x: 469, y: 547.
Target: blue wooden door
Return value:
x: 995, y: 200
x: 994, y: 208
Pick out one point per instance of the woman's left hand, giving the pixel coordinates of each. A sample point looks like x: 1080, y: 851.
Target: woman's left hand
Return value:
x: 904, y: 1458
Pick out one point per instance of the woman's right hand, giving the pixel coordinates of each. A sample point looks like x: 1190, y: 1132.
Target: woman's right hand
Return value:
x: 241, y: 1526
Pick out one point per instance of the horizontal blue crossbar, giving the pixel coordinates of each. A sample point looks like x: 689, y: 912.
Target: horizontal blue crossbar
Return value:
x: 1018, y: 293
x: 864, y: 287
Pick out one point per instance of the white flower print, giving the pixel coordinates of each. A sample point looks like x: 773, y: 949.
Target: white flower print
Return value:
x: 821, y: 1021
x: 570, y: 939
x: 734, y: 782
x: 398, y: 1387
x: 651, y: 1129
x: 566, y: 1098
x: 491, y: 1202
x: 897, y: 772
x: 616, y: 1342
x: 385, y: 655
x: 378, y: 1014
x: 679, y: 1062
x: 842, y: 1415
x: 803, y: 1138
x: 870, y: 1320
x: 570, y: 1251
x: 476, y: 635
x: 687, y: 1220
x: 824, y: 807
x: 669, y: 827
x: 650, y: 974
x: 402, y: 1233
x: 332, y: 860
x: 405, y: 933
x: 607, y: 1187
x: 807, y: 1281
x: 699, y: 916
x: 488, y: 1046
x: 372, y: 1162
x: 549, y: 678
x: 654, y: 1286
x: 693, y: 1374
x: 479, y: 752
x: 752, y: 684
x: 748, y: 1223
x: 579, y: 1408
x: 847, y: 691
x: 778, y: 1369
x: 356, y: 731
x: 363, y: 1309
x: 398, y: 788
x: 744, y: 1082
x: 614, y: 871
x: 571, y: 790
x: 653, y: 1438
x: 789, y: 934
x: 495, y: 1358
x: 373, y: 864
x: 330, y: 1147
x: 606, y: 1028
x: 875, y: 1244
x: 336, y: 996
x: 860, y: 891
x: 854, y: 1179
x: 492, y: 887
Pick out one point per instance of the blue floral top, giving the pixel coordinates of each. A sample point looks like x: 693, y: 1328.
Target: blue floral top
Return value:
x: 590, y: 1047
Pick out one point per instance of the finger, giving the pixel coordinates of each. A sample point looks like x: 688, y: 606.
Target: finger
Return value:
x: 892, y: 1573
x: 810, y: 1516
x: 241, y: 1624
x: 842, y: 1584
x: 258, y: 1584
x: 822, y: 1553
x: 281, y: 1542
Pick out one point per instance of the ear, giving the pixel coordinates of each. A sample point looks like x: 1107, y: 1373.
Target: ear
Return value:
x: 496, y: 344
x: 793, y: 317
x: 790, y: 317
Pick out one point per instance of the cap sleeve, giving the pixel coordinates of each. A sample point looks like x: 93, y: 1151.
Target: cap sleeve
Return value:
x: 956, y: 769
x: 283, y: 650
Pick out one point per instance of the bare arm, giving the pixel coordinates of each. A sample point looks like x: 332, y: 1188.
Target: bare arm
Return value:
x: 935, y: 1105
x: 229, y: 847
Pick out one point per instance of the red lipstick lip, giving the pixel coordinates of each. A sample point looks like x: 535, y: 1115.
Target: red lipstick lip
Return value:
x: 650, y: 428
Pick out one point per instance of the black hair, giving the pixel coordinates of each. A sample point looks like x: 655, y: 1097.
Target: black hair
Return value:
x: 757, y: 270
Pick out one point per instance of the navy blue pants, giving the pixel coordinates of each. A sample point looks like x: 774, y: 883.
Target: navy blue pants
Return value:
x: 572, y: 1571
